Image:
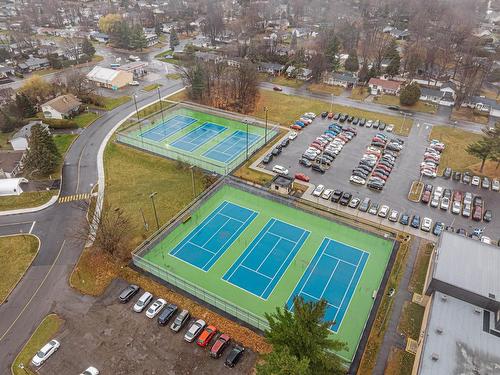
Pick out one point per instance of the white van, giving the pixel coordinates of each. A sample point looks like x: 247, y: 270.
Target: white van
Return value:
x: 142, y: 302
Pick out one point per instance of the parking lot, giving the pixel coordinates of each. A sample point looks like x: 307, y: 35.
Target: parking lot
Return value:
x: 396, y: 190
x: 116, y: 340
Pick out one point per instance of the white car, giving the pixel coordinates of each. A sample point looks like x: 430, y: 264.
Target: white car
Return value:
x: 495, y: 185
x: 319, y: 189
x: 327, y: 193
x: 486, y: 240
x: 426, y: 224
x: 435, y: 201
x: 43, y: 354
x: 90, y: 371
x: 438, y: 190
x: 456, y: 207
x: 310, y: 114
x: 383, y: 211
x: 428, y: 173
x: 354, y: 202
x: 357, y: 180
x: 280, y: 170
x: 445, y: 203
x: 475, y: 181
x: 389, y: 128
x: 468, y: 198
x: 142, y: 302
x: 155, y: 308
x: 466, y: 210
x: 134, y: 83
x: 292, y: 136
x: 194, y: 330
x: 393, y: 216
x: 369, y: 124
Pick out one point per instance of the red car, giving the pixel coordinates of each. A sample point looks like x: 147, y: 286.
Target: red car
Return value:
x: 219, y: 346
x: 302, y: 177
x: 295, y: 127
x: 277, y: 88
x: 426, y: 197
x: 330, y: 115
x: 206, y: 336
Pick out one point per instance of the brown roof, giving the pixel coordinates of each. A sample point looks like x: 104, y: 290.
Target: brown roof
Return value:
x: 9, y: 160
x: 64, y: 103
x: 391, y: 85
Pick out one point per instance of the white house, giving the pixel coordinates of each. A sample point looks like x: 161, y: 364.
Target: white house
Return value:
x: 384, y: 86
x: 428, y: 94
x: 109, y: 78
x: 482, y: 104
x: 340, y: 79
x: 449, y: 94
x: 11, y: 186
x: 303, y: 74
x: 63, y: 106
x: 19, y: 140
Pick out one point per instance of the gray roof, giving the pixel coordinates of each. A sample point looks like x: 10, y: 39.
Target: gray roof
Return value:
x: 426, y: 91
x: 283, y: 181
x: 468, y: 264
x: 273, y: 66
x: 25, y: 131
x: 455, y: 342
x: 450, y: 85
x: 344, y: 77
x: 492, y: 103
x: 448, y: 97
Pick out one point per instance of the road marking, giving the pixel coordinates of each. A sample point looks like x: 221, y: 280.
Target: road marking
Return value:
x: 34, y: 294
x: 11, y: 224
x: 78, y: 173
x: 31, y: 229
x: 75, y: 197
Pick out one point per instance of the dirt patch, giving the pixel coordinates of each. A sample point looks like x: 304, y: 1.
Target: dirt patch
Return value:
x: 116, y: 340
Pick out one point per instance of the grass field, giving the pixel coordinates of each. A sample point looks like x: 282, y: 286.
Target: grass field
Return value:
x: 173, y: 76
x: 394, y: 100
x: 285, y: 109
x: 417, y: 279
x: 467, y: 114
x: 25, y: 200
x: 85, y: 119
x: 63, y: 141
x: 325, y: 89
x: 43, y: 334
x: 109, y: 103
x: 151, y: 87
x: 15, y: 257
x: 354, y: 321
x: 284, y: 81
x: 411, y: 320
x: 359, y: 93
x: 400, y: 362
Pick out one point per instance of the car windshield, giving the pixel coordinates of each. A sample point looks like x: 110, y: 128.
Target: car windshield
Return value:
x: 40, y: 354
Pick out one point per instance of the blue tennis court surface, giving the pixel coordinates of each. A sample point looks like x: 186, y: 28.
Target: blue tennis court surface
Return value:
x: 333, y: 275
x: 231, y: 146
x: 266, y: 259
x: 169, y: 127
x: 209, y: 240
x: 199, y: 136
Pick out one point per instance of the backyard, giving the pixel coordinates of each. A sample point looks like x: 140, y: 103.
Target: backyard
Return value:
x: 420, y: 106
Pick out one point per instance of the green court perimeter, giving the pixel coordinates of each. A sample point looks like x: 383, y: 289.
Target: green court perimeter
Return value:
x: 357, y: 314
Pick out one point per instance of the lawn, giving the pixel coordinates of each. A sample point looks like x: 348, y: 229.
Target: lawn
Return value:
x: 4, y: 138
x: 25, y: 200
x: 467, y: 114
x: 179, y: 97
x: 411, y: 320
x: 359, y: 93
x: 325, y: 89
x: 284, y: 81
x: 84, y: 119
x: 161, y: 55
x: 417, y: 279
x: 285, y: 109
x: 152, y: 108
x: 63, y: 141
x: 420, y: 106
x: 173, y: 76
x: 15, y: 258
x: 400, y: 362
x: 152, y: 87
x: 112, y: 103
x: 43, y: 334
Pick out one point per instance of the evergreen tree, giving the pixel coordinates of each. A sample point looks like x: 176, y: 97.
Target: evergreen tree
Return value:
x: 7, y: 123
x: 332, y: 50
x: 372, y: 73
x: 42, y: 156
x: 137, y: 38
x: 87, y: 48
x: 281, y: 362
x: 363, y: 73
x: 410, y: 94
x: 293, y: 42
x: 352, y: 63
x: 24, y: 107
x: 158, y: 28
x: 120, y: 34
x: 174, y: 40
x: 198, y: 84
x: 481, y: 149
x: 392, y: 55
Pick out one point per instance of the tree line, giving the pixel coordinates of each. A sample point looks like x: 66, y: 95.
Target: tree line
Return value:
x: 122, y: 33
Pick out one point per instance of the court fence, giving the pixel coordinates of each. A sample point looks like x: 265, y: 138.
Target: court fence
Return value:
x: 128, y: 136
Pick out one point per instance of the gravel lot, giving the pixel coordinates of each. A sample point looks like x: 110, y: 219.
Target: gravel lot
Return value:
x: 116, y: 340
x: 396, y: 190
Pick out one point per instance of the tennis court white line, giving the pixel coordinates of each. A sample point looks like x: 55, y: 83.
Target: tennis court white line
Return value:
x: 329, y: 279
x: 268, y: 254
x: 222, y: 224
x: 232, y: 218
x: 199, y: 247
x: 254, y: 271
x: 341, y: 260
x: 282, y: 238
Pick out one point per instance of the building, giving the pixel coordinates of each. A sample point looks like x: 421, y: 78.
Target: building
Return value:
x: 151, y: 39
x: 11, y: 186
x: 19, y: 140
x: 460, y: 333
x: 340, y: 79
x: 271, y: 68
x: 208, y: 57
x: 282, y: 184
x: 302, y: 74
x: 110, y: 78
x: 399, y: 34
x: 430, y: 95
x: 384, y: 86
x: 10, y: 163
x: 99, y: 37
x: 449, y: 94
x: 137, y: 68
x: 33, y: 64
x: 61, y: 107
x: 484, y: 105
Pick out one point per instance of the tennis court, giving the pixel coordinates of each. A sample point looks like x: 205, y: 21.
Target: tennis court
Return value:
x: 232, y: 146
x: 262, y: 264
x: 198, y: 137
x: 332, y: 275
x: 209, y: 240
x: 168, y: 128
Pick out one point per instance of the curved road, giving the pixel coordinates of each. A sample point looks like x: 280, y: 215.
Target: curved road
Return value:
x: 45, y: 283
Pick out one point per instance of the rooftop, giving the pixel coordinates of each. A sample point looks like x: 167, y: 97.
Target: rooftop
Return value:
x: 100, y: 74
x: 63, y: 103
x: 392, y: 85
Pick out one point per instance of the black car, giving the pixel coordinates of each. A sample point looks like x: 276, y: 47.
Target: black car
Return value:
x: 276, y: 151
x: 375, y: 185
x: 415, y: 222
x: 343, y: 117
x: 355, y: 121
x: 382, y: 126
x: 488, y: 216
x: 318, y: 168
x: 404, y: 219
x: 337, y: 194
x: 346, y: 198
x: 393, y: 107
x: 462, y: 232
x: 376, y: 124
x: 466, y: 178
x: 306, y: 163
x: 181, y: 319
x: 285, y: 142
x: 447, y: 172
x: 166, y: 314
x: 364, y: 167
x: 324, y: 160
x: 330, y: 154
x: 324, y: 114
x: 234, y: 356
x: 457, y: 176
x: 267, y: 159
x: 350, y: 118
x: 362, y: 122
x: 336, y: 117
x: 360, y: 173
x: 127, y: 293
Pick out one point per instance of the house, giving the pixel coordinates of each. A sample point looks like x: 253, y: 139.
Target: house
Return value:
x: 208, y: 57
x: 110, y: 78
x: 384, y: 86
x: 484, y: 105
x: 61, y: 107
x: 282, y: 184
x: 340, y: 79
x: 7, y: 94
x: 449, y: 94
x: 301, y: 32
x: 10, y: 163
x: 32, y: 64
x: 19, y: 140
x: 460, y: 332
x: 271, y: 68
x: 11, y: 186
x: 399, y: 34
x: 137, y: 68
x: 151, y: 39
x: 6, y: 71
x: 428, y: 94
x: 302, y: 74
x: 99, y: 37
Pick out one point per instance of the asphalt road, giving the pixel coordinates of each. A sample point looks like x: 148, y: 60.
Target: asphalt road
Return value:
x: 396, y: 190
x: 46, y: 281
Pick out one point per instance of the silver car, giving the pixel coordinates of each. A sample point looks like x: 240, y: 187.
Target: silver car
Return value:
x: 194, y: 330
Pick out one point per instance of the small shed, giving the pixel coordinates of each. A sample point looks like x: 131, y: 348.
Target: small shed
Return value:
x: 11, y: 186
x: 282, y: 184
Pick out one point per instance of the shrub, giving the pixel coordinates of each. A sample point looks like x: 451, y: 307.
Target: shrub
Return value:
x: 60, y: 124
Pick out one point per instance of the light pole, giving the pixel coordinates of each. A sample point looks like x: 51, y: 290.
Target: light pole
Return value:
x: 21, y: 366
x: 136, y: 110
x: 192, y: 180
x: 152, y: 196
x: 161, y: 105
x: 265, y: 136
x: 331, y: 104
x: 246, y: 122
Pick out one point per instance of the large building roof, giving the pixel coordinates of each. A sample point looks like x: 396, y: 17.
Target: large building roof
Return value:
x: 102, y: 75
x: 391, y: 85
x: 63, y: 103
x: 468, y: 264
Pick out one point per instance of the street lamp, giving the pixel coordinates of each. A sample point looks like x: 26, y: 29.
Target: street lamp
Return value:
x: 265, y: 136
x: 22, y: 367
x: 152, y: 196
x: 192, y: 180
x: 331, y: 104
x: 246, y: 122
x: 161, y: 105
x: 136, y: 110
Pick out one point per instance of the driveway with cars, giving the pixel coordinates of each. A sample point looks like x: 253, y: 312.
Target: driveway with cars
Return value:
x: 396, y: 190
x: 116, y: 340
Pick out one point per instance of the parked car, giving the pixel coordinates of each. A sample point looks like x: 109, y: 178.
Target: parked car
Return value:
x: 447, y: 173
x: 438, y: 228
x: 277, y: 88
x: 155, y: 308
x: 345, y: 199
x: 426, y: 224
x: 194, y: 330
x: 383, y: 211
x: 267, y: 159
x: 292, y: 135
x: 280, y: 170
x: 318, y: 190
x: 495, y: 185
x: 477, y: 213
x: 45, y: 352
x: 475, y: 181
x: 207, y: 335
x: 127, y: 293
x: 456, y: 207
x: 90, y: 371
x: 143, y: 302
x: 466, y: 178
x: 220, y: 345
x: 166, y: 314
x: 485, y: 183
x: 393, y: 216
x: 466, y: 210
x: 404, y: 219
x: 445, y: 203
x: 357, y: 180
x: 301, y: 177
x: 373, y: 209
x: 488, y: 216
x: 354, y: 202
x: 318, y: 168
x: 306, y: 163
x: 365, y: 204
x: 181, y: 319
x: 415, y: 222
x: 327, y: 193
x: 337, y: 194
x: 234, y: 356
